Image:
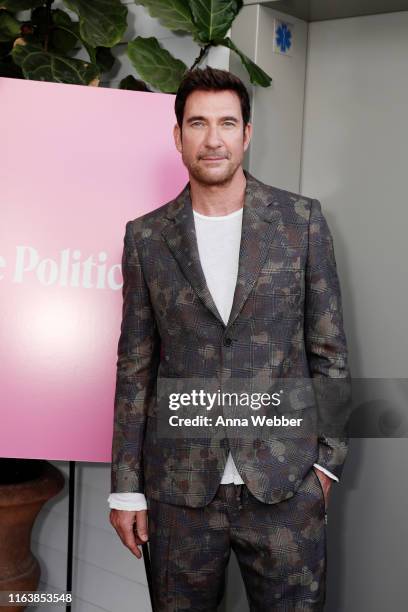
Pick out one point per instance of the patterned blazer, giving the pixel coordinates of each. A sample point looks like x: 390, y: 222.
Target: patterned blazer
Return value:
x: 285, y: 322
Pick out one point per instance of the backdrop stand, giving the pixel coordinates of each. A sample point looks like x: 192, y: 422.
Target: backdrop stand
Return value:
x: 71, y: 510
x: 146, y: 558
x: 70, y: 547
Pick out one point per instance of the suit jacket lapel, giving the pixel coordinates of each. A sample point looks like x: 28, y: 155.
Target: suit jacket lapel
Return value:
x: 181, y: 239
x: 259, y: 224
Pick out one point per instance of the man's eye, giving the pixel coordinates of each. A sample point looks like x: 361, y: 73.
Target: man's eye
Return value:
x: 229, y: 123
x: 197, y: 123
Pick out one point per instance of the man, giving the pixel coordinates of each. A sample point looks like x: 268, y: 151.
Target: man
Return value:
x: 231, y: 280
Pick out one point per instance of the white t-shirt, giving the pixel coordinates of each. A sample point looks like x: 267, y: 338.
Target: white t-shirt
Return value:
x: 218, y: 240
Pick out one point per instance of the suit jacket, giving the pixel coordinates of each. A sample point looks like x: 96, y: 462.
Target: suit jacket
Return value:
x: 285, y: 322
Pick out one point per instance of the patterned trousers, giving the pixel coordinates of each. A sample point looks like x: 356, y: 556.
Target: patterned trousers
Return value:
x: 280, y: 548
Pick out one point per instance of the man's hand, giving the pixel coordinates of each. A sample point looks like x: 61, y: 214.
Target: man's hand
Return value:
x: 326, y: 483
x: 132, y: 528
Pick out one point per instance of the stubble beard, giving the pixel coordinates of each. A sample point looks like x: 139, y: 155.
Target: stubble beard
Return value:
x: 206, y: 176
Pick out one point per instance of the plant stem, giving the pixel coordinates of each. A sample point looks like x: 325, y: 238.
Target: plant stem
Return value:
x: 49, y: 21
x: 201, y: 56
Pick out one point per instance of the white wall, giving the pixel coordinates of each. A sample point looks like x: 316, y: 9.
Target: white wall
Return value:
x: 274, y: 155
x: 355, y: 161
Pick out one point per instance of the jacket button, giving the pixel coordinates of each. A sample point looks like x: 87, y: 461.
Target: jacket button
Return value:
x: 227, y: 341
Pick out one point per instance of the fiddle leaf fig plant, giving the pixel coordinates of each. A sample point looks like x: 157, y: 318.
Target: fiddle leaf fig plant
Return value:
x: 155, y: 64
x: 9, y: 27
x: 45, y: 46
x: 42, y: 66
x: 101, y: 22
x: 214, y: 18
x: 257, y: 75
x: 175, y: 15
x: 208, y: 21
x: 20, y: 5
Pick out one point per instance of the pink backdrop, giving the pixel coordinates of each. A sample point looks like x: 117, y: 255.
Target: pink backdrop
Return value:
x: 76, y: 163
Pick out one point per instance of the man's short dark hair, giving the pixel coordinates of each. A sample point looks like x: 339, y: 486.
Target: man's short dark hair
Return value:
x: 211, y: 79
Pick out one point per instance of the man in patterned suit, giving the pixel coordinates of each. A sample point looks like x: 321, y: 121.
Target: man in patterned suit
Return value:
x: 232, y: 280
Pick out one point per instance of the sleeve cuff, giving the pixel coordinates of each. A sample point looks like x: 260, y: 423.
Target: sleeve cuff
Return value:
x: 319, y: 467
x: 127, y: 501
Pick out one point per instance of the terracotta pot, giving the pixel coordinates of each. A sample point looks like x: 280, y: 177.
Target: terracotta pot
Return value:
x: 20, y: 502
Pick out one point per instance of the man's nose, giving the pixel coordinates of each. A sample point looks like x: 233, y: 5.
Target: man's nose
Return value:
x: 213, y: 138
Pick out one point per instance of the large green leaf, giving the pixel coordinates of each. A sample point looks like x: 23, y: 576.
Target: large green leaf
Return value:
x: 10, y: 70
x: 20, y: 5
x: 5, y: 48
x: 256, y: 74
x: 39, y: 65
x: 133, y: 84
x: 102, y: 23
x: 7, y: 66
x: 155, y: 64
x: 9, y: 26
x: 62, y: 41
x: 213, y: 18
x: 104, y: 58
x: 65, y: 35
x: 64, y: 22
x: 174, y: 14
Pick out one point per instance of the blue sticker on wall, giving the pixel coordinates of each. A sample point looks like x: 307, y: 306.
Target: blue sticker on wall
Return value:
x: 283, y: 37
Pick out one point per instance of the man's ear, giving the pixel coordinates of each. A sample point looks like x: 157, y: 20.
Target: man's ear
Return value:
x: 247, y: 135
x: 177, y: 137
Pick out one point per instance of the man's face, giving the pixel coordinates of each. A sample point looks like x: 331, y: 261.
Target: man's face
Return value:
x: 213, y: 141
